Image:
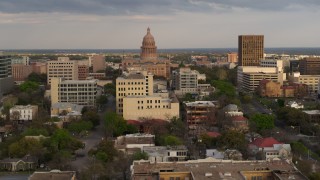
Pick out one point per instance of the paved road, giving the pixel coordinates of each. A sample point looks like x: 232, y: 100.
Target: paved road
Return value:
x: 93, y: 138
x: 14, y: 177
x: 255, y: 107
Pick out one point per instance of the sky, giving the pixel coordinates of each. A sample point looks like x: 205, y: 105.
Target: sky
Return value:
x: 121, y: 24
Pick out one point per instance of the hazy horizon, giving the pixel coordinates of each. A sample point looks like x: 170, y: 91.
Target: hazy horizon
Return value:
x: 97, y: 24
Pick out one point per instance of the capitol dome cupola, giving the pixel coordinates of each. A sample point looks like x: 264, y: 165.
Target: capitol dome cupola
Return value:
x: 148, y: 48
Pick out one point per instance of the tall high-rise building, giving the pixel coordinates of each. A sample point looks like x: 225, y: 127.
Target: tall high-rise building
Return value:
x: 6, y: 80
x: 309, y: 66
x: 250, y: 50
x: 63, y: 68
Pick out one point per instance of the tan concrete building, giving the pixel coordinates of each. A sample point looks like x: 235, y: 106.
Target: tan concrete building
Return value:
x: 312, y: 81
x: 83, y: 72
x: 232, y: 57
x: 251, y: 50
x: 39, y: 67
x: 136, y: 100
x: 20, y: 72
x: 149, y: 60
x: 98, y: 63
x: 269, y: 88
x: 248, y: 77
x: 81, y: 92
x: 309, y: 66
x: 211, y: 168
x: 62, y: 68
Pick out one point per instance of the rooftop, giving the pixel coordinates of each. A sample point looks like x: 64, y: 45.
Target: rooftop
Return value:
x: 200, y: 103
x: 265, y: 142
x: 53, y: 175
x: 312, y: 112
x: 211, y: 168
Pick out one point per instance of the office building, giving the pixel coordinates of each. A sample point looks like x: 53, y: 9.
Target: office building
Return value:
x: 136, y: 100
x: 248, y: 77
x: 80, y: 92
x: 20, y: 72
x: 62, y: 68
x: 24, y: 60
x: 211, y: 168
x: 6, y: 80
x: 83, y: 72
x: 39, y: 67
x: 232, y: 57
x: 250, y: 50
x: 309, y: 66
x: 98, y: 63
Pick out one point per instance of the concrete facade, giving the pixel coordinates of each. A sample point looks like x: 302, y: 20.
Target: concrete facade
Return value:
x: 81, y: 92
x: 136, y: 100
x: 62, y: 68
x: 20, y: 72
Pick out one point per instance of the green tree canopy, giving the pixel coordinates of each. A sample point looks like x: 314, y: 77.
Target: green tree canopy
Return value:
x: 78, y: 127
x: 28, y: 86
x: 91, y: 116
x: 140, y: 155
x: 105, y: 151
x: 232, y: 140
x: 262, y: 121
x: 115, y: 125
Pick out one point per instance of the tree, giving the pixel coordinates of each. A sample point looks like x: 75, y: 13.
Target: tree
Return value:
x: 232, y: 140
x: 115, y: 125
x: 262, y: 121
x: 170, y: 140
x: 29, y: 86
x: 35, y: 132
x: 25, y: 146
x: 101, y: 100
x: 80, y: 126
x: 105, y: 151
x: 39, y: 78
x: 15, y: 115
x: 91, y: 116
x: 140, y: 155
x: 110, y: 89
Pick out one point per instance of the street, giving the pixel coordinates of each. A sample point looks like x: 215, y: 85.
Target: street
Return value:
x: 93, y: 138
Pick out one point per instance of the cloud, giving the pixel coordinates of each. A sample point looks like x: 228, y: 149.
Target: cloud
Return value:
x: 148, y: 7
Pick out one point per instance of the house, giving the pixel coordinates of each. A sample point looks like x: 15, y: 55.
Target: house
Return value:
x: 313, y: 115
x: 23, y: 113
x: 53, y: 175
x: 294, y: 104
x: 132, y: 143
x: 239, y: 123
x: 166, y: 153
x: 16, y: 164
x: 232, y: 110
x: 65, y: 111
x: 270, y: 148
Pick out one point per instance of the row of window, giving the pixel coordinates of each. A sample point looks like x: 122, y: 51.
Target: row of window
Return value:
x: 150, y: 107
x: 131, y: 83
x: 136, y: 88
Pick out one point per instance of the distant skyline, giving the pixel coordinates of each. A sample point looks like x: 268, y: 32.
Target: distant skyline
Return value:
x: 121, y: 24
